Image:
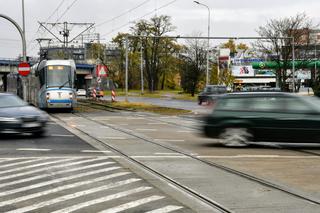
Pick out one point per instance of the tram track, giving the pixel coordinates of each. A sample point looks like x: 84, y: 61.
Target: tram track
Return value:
x: 116, y: 109
x: 169, y: 180
x: 191, y: 156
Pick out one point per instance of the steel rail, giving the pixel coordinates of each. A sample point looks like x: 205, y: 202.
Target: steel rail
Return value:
x: 187, y: 190
x: 216, y: 165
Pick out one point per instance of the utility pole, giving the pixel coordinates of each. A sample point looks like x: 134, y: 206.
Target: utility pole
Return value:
x: 208, y: 44
x: 293, y: 67
x: 141, y: 67
x: 66, y: 31
x: 127, y: 66
x: 24, y: 29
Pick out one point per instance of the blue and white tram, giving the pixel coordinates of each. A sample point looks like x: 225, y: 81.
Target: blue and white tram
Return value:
x: 52, y: 84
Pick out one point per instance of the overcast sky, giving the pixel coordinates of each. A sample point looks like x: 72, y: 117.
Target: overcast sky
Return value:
x: 228, y: 17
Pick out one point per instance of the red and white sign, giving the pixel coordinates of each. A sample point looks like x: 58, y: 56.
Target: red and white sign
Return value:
x: 101, y: 70
x: 24, y: 69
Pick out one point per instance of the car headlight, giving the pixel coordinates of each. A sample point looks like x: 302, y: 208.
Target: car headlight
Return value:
x: 43, y: 118
x: 9, y: 120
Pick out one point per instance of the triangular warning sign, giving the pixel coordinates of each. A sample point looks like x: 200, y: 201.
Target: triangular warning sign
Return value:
x: 103, y: 70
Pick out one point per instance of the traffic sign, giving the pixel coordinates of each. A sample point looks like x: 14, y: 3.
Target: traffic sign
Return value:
x: 101, y: 70
x: 24, y: 69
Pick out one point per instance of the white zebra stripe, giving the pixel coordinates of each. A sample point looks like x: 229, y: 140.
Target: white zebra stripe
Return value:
x: 166, y: 209
x: 47, y: 168
x: 72, y: 196
x: 132, y: 204
x: 32, y: 166
x: 96, y: 151
x: 2, y: 160
x: 54, y: 173
x: 32, y: 149
x: 60, y: 188
x: 46, y: 183
x: 19, y: 163
x: 103, y: 199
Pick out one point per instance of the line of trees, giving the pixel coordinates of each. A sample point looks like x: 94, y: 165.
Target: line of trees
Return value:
x: 172, y: 65
x: 296, y: 27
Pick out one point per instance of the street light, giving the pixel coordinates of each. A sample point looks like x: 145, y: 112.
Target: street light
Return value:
x: 207, y: 74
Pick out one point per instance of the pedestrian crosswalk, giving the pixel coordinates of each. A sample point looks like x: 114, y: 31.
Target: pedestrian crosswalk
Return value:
x: 77, y: 184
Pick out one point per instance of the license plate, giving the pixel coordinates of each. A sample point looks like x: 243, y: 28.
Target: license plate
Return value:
x: 31, y: 124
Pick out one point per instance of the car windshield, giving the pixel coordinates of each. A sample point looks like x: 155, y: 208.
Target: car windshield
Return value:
x: 314, y: 102
x: 58, y: 76
x: 11, y: 101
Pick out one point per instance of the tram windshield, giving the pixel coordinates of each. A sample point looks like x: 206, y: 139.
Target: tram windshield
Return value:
x: 59, y: 76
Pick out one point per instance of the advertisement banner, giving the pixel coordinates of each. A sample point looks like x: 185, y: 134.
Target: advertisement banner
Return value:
x: 303, y: 74
x: 223, y: 62
x: 242, y: 71
x: 265, y: 73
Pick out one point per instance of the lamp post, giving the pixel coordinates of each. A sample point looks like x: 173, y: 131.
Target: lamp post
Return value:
x: 315, y: 57
x: 208, y: 45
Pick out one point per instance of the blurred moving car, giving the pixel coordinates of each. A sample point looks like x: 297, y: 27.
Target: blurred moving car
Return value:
x: 240, y: 118
x: 210, y: 93
x: 81, y: 92
x: 17, y: 116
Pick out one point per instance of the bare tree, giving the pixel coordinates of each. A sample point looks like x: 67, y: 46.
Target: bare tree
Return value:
x: 194, y: 65
x: 280, y: 49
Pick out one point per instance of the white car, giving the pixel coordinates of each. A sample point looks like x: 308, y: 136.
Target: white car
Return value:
x: 81, y: 92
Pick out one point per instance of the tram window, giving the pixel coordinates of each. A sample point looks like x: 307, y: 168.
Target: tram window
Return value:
x: 58, y: 76
x: 41, y: 77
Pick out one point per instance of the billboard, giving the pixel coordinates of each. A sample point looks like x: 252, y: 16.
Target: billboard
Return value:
x: 265, y: 73
x: 303, y: 74
x: 224, y: 62
x: 242, y: 71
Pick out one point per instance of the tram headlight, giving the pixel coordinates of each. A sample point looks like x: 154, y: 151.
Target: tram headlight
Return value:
x: 70, y: 95
x: 48, y: 96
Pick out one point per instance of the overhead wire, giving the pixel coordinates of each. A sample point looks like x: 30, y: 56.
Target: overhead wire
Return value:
x: 38, y: 30
x: 68, y: 8
x: 59, y: 18
x: 124, y: 13
x: 60, y: 4
x: 147, y: 14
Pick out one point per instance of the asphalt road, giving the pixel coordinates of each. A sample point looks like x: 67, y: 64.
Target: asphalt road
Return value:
x: 63, y: 173
x: 145, y: 137
x: 73, y: 169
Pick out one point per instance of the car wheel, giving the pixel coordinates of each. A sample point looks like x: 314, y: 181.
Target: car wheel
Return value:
x: 39, y: 134
x: 235, y: 137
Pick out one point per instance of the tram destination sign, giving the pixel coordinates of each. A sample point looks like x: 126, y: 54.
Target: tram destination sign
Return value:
x: 24, y: 69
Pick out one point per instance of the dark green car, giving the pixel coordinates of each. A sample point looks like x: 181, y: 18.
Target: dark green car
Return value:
x: 241, y: 118
x: 210, y: 93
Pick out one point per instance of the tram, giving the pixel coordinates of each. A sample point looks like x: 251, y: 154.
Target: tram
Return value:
x: 50, y: 84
